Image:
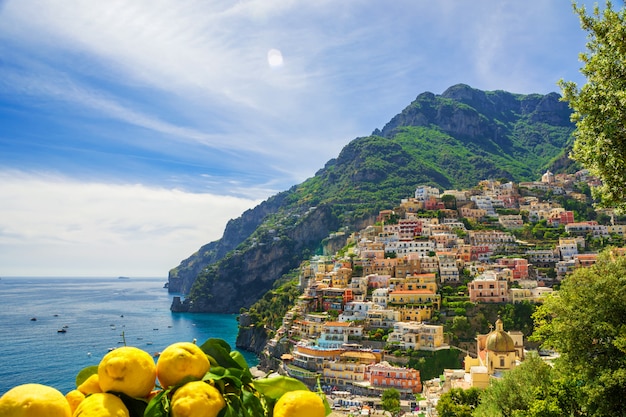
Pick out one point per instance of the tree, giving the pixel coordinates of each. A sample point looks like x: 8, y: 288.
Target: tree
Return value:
x: 458, y: 402
x: 391, y: 401
x: 600, y: 105
x: 518, y: 390
x: 586, y: 324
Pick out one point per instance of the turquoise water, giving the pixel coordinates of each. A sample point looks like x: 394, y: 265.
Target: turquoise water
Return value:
x: 99, y: 314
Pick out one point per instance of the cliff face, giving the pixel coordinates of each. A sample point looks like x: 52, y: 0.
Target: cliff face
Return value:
x: 237, y: 230
x: 452, y: 140
x: 244, y: 276
x: 250, y: 337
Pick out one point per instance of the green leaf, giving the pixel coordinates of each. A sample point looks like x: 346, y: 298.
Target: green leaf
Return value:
x: 253, y: 404
x: 275, y: 387
x: 158, y: 406
x: 238, y: 357
x: 218, y: 352
x: 136, y: 407
x: 85, y: 373
x: 229, y: 411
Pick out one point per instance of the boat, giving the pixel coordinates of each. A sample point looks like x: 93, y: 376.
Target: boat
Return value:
x: 33, y: 319
x: 62, y: 331
x: 123, y: 278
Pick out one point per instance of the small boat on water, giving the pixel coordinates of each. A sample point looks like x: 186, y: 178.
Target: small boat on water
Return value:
x: 33, y: 319
x: 62, y: 330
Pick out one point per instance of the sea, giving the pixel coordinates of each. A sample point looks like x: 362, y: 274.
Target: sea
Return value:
x: 51, y: 327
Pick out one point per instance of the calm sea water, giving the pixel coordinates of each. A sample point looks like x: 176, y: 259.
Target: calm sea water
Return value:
x: 95, y: 313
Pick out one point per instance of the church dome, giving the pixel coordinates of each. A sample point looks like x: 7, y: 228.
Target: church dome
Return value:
x: 499, y: 340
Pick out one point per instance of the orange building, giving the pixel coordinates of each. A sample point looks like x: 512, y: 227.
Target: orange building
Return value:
x: 384, y: 376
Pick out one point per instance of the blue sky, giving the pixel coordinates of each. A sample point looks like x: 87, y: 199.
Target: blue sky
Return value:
x: 131, y: 132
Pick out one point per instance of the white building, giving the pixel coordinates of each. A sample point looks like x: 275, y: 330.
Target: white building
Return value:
x: 380, y: 296
x: 403, y: 248
x: 356, y: 310
x: 424, y: 193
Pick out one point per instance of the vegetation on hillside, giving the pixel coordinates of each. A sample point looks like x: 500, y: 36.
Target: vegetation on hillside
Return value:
x: 270, y: 309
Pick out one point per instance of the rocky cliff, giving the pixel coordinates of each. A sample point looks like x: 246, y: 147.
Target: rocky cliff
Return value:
x: 245, y: 274
x: 237, y: 230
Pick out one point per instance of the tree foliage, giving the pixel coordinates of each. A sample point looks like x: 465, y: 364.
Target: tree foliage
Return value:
x: 600, y: 105
x: 391, y: 401
x: 458, y: 402
x: 517, y: 391
x: 586, y: 324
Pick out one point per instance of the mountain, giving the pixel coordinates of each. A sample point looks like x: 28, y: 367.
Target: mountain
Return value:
x: 452, y: 140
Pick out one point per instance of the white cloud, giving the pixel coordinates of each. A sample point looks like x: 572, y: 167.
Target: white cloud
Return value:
x: 55, y: 226
x: 180, y: 92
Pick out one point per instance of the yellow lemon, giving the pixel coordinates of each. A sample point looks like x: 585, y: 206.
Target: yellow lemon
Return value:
x: 74, y: 398
x: 179, y: 361
x: 90, y: 385
x: 299, y: 403
x: 101, y: 404
x: 196, y: 399
x: 129, y: 370
x: 34, y: 400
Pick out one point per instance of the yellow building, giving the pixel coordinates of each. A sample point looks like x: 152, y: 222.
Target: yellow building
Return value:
x: 417, y: 282
x: 498, y: 351
x: 349, y: 369
x: 419, y: 297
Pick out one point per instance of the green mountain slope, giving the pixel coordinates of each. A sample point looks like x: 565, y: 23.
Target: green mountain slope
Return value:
x: 451, y: 140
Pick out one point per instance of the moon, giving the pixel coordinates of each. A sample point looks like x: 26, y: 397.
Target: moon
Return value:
x: 274, y: 58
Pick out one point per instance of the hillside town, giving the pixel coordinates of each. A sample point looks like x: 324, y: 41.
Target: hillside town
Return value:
x: 364, y: 309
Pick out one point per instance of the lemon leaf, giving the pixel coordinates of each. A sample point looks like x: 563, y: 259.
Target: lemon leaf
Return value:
x: 136, y: 407
x: 158, y: 405
x: 219, y: 351
x: 253, y: 404
x: 85, y: 373
x: 275, y: 387
x: 238, y: 357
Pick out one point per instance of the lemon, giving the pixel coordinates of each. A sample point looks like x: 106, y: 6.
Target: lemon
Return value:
x: 34, y: 400
x: 179, y: 361
x: 129, y: 370
x: 196, y: 399
x: 90, y: 385
x: 299, y: 403
x: 101, y: 404
x: 74, y: 398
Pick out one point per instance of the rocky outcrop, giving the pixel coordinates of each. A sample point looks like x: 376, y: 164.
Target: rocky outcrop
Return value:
x: 465, y: 112
x: 243, y: 276
x: 250, y: 337
x: 182, y: 277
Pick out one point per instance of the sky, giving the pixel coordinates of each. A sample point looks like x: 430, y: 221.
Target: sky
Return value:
x: 131, y: 132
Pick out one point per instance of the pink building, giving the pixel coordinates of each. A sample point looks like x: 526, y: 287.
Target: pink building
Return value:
x: 488, y: 288
x: 519, y: 267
